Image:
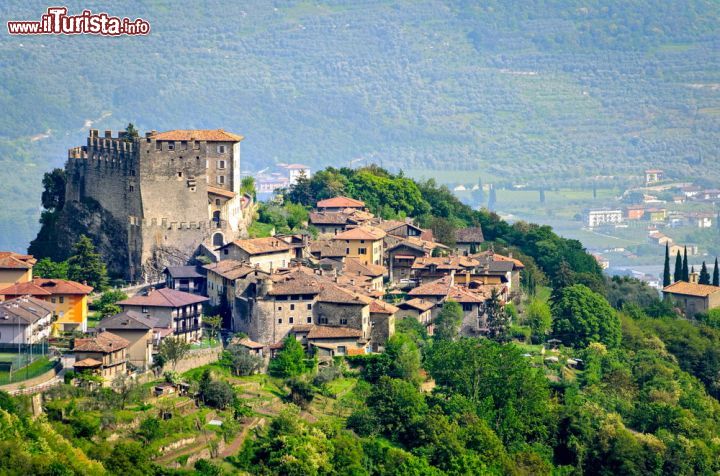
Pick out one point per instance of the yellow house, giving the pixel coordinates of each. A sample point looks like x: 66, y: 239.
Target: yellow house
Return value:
x: 69, y: 298
x: 15, y: 268
x: 365, y: 243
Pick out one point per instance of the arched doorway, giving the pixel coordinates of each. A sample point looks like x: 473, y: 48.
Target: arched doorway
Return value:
x: 218, y: 239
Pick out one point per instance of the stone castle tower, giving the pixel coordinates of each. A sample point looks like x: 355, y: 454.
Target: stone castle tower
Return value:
x: 163, y: 198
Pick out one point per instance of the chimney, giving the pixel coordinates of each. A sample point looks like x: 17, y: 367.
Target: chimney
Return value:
x: 694, y: 278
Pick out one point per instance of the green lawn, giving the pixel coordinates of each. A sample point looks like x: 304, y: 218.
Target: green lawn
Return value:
x: 38, y: 367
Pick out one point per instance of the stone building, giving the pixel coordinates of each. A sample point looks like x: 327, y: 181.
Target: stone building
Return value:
x: 693, y: 298
x: 267, y: 253
x: 137, y: 329
x: 104, y: 355
x: 152, y: 201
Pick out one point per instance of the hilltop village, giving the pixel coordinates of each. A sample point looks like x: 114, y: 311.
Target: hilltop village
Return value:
x: 162, y: 302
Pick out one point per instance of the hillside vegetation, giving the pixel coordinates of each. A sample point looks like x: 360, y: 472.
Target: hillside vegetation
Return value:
x: 564, y: 88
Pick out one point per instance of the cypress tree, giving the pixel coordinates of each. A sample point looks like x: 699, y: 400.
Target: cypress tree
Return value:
x: 685, y: 271
x: 666, y: 269
x: 704, y: 275
x: 678, y: 276
x: 716, y: 274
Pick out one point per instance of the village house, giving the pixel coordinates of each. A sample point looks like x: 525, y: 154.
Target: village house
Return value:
x: 329, y: 342
x: 693, y: 298
x: 15, y: 268
x: 401, y: 229
x: 353, y: 267
x: 329, y: 224
x: 338, y: 204
x: 382, y: 323
x: 602, y: 216
x: 25, y: 320
x: 103, y: 355
x: 431, y: 268
x: 658, y: 238
x: 188, y: 279
x: 402, y: 253
x: 468, y: 240
x: 268, y: 253
x: 364, y: 243
x: 701, y: 219
x: 68, y: 297
x: 692, y: 250
x: 634, y: 212
x: 653, y: 176
x: 418, y: 309
x: 137, y: 329
x: 173, y: 313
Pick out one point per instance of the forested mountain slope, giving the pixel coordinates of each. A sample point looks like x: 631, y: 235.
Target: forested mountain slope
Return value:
x: 565, y: 88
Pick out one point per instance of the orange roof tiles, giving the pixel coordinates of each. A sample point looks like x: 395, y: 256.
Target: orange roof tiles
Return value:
x: 104, y: 342
x: 340, y: 202
x: 46, y: 287
x: 361, y: 233
x: 163, y: 298
x: 328, y: 332
x: 259, y: 246
x: 381, y: 307
x: 10, y: 260
x: 221, y: 192
x: 209, y: 135
x: 691, y: 289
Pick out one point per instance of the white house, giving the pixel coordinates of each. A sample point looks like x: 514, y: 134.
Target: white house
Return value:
x: 25, y: 320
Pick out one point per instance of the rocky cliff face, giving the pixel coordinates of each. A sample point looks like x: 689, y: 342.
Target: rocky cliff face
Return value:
x: 62, y: 228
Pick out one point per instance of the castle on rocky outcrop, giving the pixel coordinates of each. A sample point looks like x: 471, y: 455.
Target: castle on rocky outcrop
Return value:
x: 158, y: 200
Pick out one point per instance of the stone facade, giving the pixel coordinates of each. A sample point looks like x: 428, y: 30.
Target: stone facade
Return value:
x: 159, y: 194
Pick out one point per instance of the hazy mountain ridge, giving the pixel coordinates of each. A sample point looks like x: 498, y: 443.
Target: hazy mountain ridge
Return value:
x: 565, y: 90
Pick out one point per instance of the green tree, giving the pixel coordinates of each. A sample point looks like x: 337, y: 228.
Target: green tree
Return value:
x: 296, y: 215
x: 241, y: 361
x: 685, y: 270
x: 53, y: 196
x: 290, y: 360
x: 704, y: 275
x: 581, y: 317
x: 498, y: 319
x: 678, y: 274
x: 131, y: 133
x: 247, y: 186
x: 539, y: 318
x: 397, y: 405
x: 217, y: 394
x: 85, y: 265
x: 301, y: 391
x: 666, y: 269
x: 173, y: 349
x: 47, y: 268
x: 716, y: 274
x: 214, y: 323
x: 448, y: 321
x: 405, y: 358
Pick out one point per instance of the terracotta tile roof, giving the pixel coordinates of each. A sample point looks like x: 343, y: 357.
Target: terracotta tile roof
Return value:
x: 105, y: 342
x: 296, y: 282
x: 354, y: 266
x: 487, y: 257
x: 329, y: 332
x: 439, y: 287
x: 337, y: 295
x: 209, y: 135
x: 327, y: 248
x: 126, y: 320
x: 340, y: 202
x: 46, y: 287
x: 88, y: 363
x: 24, y: 310
x: 163, y: 298
x: 445, y: 263
x: 220, y: 191
x: 231, y: 269
x: 691, y: 289
x: 245, y: 342
x: 463, y: 296
x: 417, y: 303
x: 260, y: 246
x: 328, y: 218
x: 10, y: 260
x: 381, y: 307
x: 469, y: 235
x: 361, y: 233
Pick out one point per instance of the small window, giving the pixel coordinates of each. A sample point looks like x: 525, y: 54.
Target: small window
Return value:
x: 225, y: 251
x: 341, y: 349
x: 221, y: 164
x: 171, y: 146
x: 53, y: 300
x: 362, y: 241
x: 291, y: 320
x: 280, y: 320
x: 221, y: 179
x: 309, y: 319
x: 279, y: 308
x: 179, y: 174
x: 144, y: 309
x: 62, y: 299
x: 158, y: 145
x: 343, y: 322
x: 131, y: 188
x: 362, y: 251
x: 217, y: 202
x: 323, y: 320
x: 221, y: 149
x: 292, y: 306
x: 467, y: 307
x: 347, y: 251
x: 309, y: 307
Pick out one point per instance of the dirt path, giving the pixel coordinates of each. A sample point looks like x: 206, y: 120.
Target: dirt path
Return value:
x: 234, y: 447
